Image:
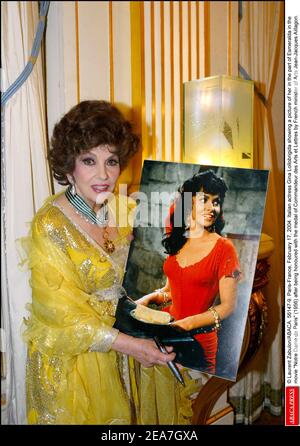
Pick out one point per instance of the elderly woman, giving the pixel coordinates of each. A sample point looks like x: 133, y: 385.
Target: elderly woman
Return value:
x: 76, y: 370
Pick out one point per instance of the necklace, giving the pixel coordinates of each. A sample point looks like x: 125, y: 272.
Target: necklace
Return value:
x: 108, y: 244
x: 86, y: 212
x: 81, y: 207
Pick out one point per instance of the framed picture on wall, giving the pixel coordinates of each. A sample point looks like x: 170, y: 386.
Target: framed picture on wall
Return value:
x: 191, y: 264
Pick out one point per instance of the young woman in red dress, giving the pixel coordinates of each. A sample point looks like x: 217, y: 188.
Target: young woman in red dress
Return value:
x: 202, y: 267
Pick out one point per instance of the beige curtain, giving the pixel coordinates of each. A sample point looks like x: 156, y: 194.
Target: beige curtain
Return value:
x: 261, y: 39
x: 26, y: 183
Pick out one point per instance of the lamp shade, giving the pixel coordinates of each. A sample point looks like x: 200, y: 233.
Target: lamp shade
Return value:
x: 218, y: 121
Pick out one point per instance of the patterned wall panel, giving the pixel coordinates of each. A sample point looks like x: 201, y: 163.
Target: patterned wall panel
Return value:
x: 138, y: 55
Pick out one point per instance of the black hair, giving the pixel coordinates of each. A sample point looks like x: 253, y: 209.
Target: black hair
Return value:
x: 207, y: 182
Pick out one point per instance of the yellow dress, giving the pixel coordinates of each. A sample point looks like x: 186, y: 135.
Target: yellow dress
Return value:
x: 74, y: 297
x: 72, y: 375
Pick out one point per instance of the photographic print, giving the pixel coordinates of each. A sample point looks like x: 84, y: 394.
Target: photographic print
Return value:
x: 196, y: 236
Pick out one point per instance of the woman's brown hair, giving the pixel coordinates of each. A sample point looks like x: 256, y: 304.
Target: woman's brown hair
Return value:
x: 87, y: 125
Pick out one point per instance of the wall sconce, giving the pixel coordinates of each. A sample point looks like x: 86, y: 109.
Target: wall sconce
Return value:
x: 218, y: 122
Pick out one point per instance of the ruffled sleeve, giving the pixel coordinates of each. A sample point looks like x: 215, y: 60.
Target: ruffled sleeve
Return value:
x: 228, y: 265
x: 62, y: 321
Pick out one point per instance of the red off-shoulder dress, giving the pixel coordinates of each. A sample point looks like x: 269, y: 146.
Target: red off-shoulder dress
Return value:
x: 195, y: 287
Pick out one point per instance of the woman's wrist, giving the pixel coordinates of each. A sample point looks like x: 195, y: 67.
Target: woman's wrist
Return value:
x: 124, y: 343
x: 104, y: 339
x: 217, y: 319
x: 186, y: 323
x: 163, y: 295
x: 203, y: 320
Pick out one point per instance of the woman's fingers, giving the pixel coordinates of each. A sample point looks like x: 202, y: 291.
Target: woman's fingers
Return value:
x: 177, y: 327
x: 157, y: 357
x: 169, y: 348
x: 146, y: 352
x: 179, y: 366
x: 143, y: 300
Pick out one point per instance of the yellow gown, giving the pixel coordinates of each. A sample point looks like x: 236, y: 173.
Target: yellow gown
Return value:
x: 72, y: 375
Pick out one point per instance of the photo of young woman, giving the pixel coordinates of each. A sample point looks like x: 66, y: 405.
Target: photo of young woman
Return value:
x: 201, y: 264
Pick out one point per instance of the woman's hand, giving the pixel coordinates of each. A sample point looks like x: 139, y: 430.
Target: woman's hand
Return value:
x: 147, y: 299
x: 144, y: 351
x: 160, y: 296
x: 185, y: 324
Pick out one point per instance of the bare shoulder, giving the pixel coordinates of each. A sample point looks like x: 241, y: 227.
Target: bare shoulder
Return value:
x: 228, y: 244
